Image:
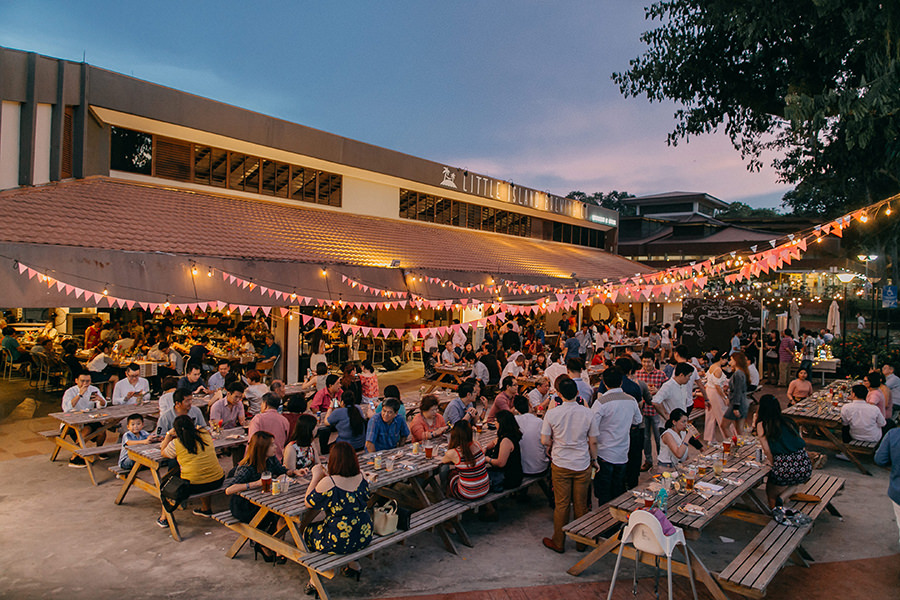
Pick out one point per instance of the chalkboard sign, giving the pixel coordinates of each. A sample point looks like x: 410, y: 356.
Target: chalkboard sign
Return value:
x: 710, y: 323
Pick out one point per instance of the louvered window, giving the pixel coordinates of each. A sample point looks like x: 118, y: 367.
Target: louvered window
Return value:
x: 172, y: 159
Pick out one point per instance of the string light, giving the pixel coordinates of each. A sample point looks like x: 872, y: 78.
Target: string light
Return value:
x: 209, y: 273
x: 106, y: 290
x: 194, y: 270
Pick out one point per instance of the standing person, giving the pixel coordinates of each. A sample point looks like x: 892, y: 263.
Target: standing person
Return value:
x: 717, y: 392
x: 665, y: 343
x: 737, y: 393
x: 893, y: 384
x: 682, y: 355
x: 785, y: 450
x: 615, y: 413
x: 860, y: 322
x: 735, y: 341
x: 430, y: 342
x: 554, y: 369
x: 572, y: 345
x: 368, y: 381
x: 654, y: 379
x: 92, y: 333
x: 771, y: 346
x: 786, y: 350
x: 675, y: 392
x: 888, y: 455
x: 571, y: 433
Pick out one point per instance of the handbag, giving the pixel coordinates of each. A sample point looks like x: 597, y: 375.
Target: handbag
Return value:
x: 386, y: 518
x: 403, y: 516
x: 173, y: 491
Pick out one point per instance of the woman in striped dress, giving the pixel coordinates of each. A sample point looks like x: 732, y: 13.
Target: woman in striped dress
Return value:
x: 470, y: 481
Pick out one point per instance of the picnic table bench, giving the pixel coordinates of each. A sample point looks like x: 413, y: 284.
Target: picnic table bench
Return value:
x: 150, y: 457
x: 593, y: 530
x: 823, y: 420
x: 751, y: 572
x: 448, y: 377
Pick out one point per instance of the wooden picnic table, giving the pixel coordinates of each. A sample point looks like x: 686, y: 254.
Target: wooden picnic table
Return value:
x: 449, y: 377
x: 822, y: 418
x: 750, y: 475
x: 71, y: 423
x: 414, y: 469
x: 151, y: 457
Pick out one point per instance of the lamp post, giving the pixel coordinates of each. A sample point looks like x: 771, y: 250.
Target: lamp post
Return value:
x: 866, y: 258
x: 845, y: 279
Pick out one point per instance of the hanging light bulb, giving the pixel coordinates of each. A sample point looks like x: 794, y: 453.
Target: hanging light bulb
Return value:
x: 105, y: 290
x: 864, y: 218
x: 888, y: 211
x: 194, y: 270
x: 209, y: 273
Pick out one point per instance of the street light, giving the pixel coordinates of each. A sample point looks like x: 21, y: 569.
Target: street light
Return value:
x: 845, y: 279
x: 871, y: 281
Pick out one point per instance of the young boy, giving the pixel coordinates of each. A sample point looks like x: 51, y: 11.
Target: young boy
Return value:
x: 133, y: 437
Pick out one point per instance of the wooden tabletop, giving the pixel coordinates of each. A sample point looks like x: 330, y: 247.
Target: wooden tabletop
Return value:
x: 406, y: 465
x: 818, y: 407
x: 714, y: 505
x: 226, y: 439
x: 453, y: 369
x: 110, y: 413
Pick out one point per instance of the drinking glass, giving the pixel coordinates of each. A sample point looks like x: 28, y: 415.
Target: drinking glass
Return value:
x: 718, y: 467
x: 689, y: 479
x: 389, y: 464
x: 429, y: 450
x: 267, y: 482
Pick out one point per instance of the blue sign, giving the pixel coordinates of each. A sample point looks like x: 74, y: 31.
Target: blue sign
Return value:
x: 889, y: 296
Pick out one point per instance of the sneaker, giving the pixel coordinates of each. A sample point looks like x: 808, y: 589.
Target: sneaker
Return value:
x: 77, y: 463
x: 162, y: 523
x: 202, y: 513
x: 841, y: 456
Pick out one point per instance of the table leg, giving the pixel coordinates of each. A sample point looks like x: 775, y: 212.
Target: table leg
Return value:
x: 128, y: 482
x: 242, y: 539
x: 843, y: 448
x: 445, y: 537
x: 703, y: 574
x: 595, y: 555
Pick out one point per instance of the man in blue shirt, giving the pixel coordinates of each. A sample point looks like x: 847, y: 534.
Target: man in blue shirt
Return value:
x: 461, y: 408
x: 888, y: 455
x: 217, y: 379
x: 573, y: 345
x: 385, y: 430
x: 271, y: 349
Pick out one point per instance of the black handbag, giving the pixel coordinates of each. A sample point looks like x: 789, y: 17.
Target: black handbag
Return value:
x: 173, y: 491
x: 403, y: 516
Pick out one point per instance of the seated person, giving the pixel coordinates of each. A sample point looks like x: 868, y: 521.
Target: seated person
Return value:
x: 217, y: 379
x: 12, y: 345
x: 385, y: 430
x: 255, y: 392
x: 228, y: 412
x: 785, y: 450
x: 349, y: 420
x: 133, y: 389
x: 368, y: 380
x: 535, y: 460
x: 448, y: 356
x: 192, y: 447
x: 81, y: 397
x: 392, y: 391
x: 503, y: 400
x: 460, y: 408
x: 504, y: 454
x: 300, y: 453
x: 465, y: 459
x: 675, y: 440
x: 328, y: 396
x: 514, y: 368
x: 191, y: 382
x: 874, y: 383
x: 199, y: 352
x: 800, y: 388
x: 271, y: 421
x: 101, y: 368
x: 135, y: 436
x: 342, y: 493
x: 168, y: 385
x: 259, y: 458
x: 429, y: 423
x: 539, y: 396
x: 181, y: 406
x: 862, y: 421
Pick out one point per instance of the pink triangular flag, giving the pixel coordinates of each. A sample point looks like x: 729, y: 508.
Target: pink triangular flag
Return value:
x: 22, y: 268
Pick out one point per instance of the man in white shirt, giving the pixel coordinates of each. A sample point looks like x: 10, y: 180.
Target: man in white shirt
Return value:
x: 514, y: 368
x: 448, y: 356
x: 132, y: 389
x: 181, y: 406
x: 535, y: 460
x: 539, y: 396
x: 166, y: 403
x: 893, y: 383
x: 860, y: 321
x: 681, y: 356
x: 83, y: 396
x: 459, y: 337
x: 217, y: 379
x: 864, y: 420
x: 430, y: 342
x: 571, y: 432
x: 554, y: 369
x: 675, y: 393
x: 615, y: 413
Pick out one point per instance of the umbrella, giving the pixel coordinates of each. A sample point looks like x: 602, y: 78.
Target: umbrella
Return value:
x: 795, y: 318
x: 833, y: 323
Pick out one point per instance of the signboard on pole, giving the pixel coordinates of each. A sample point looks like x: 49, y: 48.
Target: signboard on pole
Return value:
x: 889, y: 296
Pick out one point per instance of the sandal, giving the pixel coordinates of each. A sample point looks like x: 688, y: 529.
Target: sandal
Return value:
x: 311, y: 590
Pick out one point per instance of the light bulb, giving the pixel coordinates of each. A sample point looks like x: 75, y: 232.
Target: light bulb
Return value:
x: 193, y: 270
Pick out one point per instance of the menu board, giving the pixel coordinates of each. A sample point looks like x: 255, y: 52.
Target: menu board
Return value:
x: 710, y: 323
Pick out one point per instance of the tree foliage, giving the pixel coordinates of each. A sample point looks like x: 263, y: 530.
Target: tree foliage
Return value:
x: 611, y: 200
x: 817, y: 82
x: 741, y: 210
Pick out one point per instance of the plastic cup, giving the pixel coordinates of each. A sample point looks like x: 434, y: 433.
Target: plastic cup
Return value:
x: 718, y: 467
x: 429, y: 450
x: 478, y: 427
x: 389, y: 464
x: 701, y: 470
x: 267, y: 482
x: 648, y: 501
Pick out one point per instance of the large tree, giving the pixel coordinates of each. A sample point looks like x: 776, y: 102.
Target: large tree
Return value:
x: 817, y: 82
x: 611, y: 200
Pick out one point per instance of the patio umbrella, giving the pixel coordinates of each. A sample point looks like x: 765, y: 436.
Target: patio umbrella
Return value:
x: 833, y: 323
x: 795, y: 318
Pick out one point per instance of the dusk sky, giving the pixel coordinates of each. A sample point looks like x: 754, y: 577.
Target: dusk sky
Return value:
x: 518, y: 90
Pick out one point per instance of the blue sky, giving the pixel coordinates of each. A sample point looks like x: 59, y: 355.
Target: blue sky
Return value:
x: 518, y: 90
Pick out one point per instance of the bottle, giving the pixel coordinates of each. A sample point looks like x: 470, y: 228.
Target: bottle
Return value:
x: 662, y: 500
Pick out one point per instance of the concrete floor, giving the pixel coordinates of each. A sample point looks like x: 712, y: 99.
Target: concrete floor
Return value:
x: 65, y: 538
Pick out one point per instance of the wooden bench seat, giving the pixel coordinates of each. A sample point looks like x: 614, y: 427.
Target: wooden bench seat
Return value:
x: 594, y: 527
x: 119, y: 472
x: 696, y: 414
x: 756, y: 566
x: 494, y: 496
x: 861, y: 447
x: 49, y: 434
x: 92, y: 451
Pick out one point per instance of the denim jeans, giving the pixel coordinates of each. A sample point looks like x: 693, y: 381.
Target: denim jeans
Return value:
x: 609, y: 481
x: 126, y: 463
x: 650, y: 426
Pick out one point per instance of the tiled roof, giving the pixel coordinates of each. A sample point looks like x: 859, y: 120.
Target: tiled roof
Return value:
x: 112, y: 214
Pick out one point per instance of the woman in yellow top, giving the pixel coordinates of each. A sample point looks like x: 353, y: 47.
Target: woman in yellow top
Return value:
x: 192, y: 447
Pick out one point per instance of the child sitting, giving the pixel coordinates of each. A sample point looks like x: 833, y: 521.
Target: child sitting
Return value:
x: 133, y: 437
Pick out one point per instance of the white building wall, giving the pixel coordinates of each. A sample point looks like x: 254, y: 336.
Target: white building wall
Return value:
x: 42, y: 144
x: 363, y: 197
x: 9, y: 145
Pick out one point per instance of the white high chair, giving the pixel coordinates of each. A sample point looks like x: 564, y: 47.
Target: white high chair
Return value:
x: 645, y: 533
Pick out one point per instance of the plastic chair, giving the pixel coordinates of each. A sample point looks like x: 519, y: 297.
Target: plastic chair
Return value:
x: 645, y: 533
x: 9, y: 365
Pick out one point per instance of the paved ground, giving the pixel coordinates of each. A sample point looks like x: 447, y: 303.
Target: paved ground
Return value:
x: 65, y: 538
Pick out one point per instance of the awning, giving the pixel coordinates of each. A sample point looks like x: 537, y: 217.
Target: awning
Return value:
x: 142, y: 241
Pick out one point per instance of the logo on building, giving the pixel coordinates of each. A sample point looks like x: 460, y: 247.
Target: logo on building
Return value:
x: 449, y: 179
